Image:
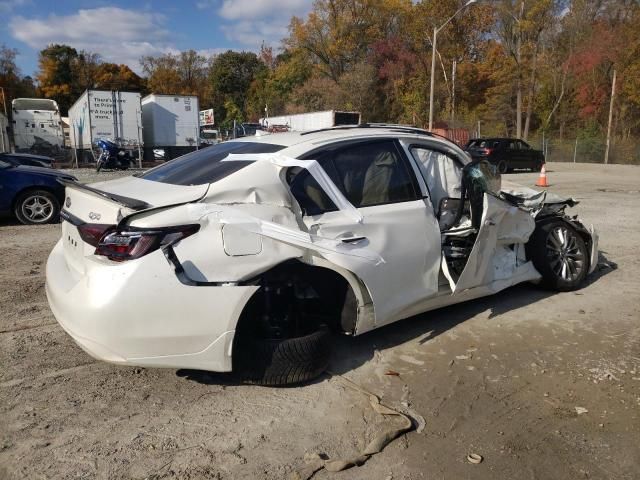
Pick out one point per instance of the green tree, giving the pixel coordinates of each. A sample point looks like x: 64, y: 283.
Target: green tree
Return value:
x: 230, y: 77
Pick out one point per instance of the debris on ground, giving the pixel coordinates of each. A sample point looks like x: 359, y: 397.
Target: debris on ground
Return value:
x: 315, y: 461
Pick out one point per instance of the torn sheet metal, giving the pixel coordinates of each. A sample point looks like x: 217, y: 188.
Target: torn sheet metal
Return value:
x: 534, y: 200
x: 492, y: 260
x: 313, y: 167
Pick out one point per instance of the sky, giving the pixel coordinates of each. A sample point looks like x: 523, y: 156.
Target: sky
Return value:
x: 122, y: 31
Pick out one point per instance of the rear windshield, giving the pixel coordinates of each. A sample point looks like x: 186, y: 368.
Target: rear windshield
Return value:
x: 204, y: 166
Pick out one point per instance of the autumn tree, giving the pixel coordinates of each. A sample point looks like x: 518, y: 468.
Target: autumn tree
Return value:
x: 184, y: 73
x: 109, y: 76
x: 56, y: 77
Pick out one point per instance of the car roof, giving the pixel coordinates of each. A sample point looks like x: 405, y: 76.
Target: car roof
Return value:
x: 26, y: 155
x: 328, y: 135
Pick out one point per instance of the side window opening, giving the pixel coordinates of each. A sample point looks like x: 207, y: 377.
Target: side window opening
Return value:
x: 310, y: 196
x: 373, y: 174
x: 367, y: 174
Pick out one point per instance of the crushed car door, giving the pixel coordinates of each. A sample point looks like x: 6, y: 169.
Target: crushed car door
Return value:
x: 497, y: 258
x: 396, y: 223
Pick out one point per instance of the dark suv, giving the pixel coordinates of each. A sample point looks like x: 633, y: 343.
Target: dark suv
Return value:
x: 506, y: 153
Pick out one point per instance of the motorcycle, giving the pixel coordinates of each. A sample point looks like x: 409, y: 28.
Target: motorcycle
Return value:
x: 112, y: 156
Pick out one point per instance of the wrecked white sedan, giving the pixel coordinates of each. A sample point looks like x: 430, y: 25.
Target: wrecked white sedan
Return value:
x: 248, y: 255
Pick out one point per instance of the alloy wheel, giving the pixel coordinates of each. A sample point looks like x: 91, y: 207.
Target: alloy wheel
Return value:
x: 37, y: 208
x: 565, y: 255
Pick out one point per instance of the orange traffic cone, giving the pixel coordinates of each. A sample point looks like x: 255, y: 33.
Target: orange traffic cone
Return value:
x: 542, y: 179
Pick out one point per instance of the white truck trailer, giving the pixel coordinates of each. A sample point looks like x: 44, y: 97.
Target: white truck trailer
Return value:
x: 301, y: 122
x: 113, y: 115
x: 4, y: 134
x: 171, y: 125
x: 36, y: 126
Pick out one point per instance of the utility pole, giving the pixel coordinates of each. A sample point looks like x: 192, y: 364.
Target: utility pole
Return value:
x: 433, y: 58
x: 453, y: 94
x: 613, y: 94
x: 519, y: 84
x: 433, y: 73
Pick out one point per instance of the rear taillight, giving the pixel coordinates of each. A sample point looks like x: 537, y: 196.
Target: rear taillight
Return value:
x: 93, y: 232
x: 487, y: 151
x: 134, y: 243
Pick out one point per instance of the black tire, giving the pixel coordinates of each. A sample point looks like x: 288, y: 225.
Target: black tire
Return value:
x: 502, y: 167
x: 37, y: 207
x: 281, y: 362
x: 562, y: 263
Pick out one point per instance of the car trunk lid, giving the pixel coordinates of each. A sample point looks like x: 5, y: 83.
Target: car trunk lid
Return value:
x: 107, y: 203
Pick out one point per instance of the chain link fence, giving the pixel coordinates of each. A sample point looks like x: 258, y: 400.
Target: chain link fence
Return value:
x: 588, y: 149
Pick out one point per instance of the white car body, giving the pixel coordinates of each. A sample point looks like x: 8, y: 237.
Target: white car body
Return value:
x: 179, y: 305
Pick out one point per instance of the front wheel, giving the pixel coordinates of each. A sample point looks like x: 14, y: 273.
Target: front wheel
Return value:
x: 560, y: 254
x: 37, y: 207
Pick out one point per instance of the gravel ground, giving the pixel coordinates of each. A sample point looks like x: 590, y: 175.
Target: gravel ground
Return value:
x: 541, y: 385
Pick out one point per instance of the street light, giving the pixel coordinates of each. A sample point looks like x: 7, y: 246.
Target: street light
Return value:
x: 433, y: 57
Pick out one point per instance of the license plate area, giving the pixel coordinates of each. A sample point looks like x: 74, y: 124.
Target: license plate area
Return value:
x: 73, y: 246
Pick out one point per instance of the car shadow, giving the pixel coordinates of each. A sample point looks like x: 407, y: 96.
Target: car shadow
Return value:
x: 352, y: 352
x: 9, y: 222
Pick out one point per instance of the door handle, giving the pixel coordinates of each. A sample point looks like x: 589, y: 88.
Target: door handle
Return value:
x: 352, y: 239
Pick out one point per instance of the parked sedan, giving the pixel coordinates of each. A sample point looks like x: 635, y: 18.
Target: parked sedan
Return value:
x: 247, y: 255
x: 506, y: 153
x: 32, y: 194
x: 27, y: 159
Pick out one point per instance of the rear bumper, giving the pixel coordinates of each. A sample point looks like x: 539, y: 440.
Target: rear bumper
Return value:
x: 138, y: 313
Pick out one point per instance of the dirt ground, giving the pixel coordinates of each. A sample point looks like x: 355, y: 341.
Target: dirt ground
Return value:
x: 541, y: 385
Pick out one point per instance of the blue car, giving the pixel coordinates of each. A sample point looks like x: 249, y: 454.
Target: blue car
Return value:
x: 32, y: 194
x: 27, y: 159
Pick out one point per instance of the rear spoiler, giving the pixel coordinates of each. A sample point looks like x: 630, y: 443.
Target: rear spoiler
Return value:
x: 131, y: 203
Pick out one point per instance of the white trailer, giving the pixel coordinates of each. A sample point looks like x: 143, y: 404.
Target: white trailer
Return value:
x: 36, y: 126
x: 4, y: 134
x: 171, y: 125
x: 301, y: 122
x: 106, y: 114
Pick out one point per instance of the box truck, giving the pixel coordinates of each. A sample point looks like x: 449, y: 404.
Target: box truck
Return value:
x: 114, y: 115
x: 171, y: 125
x: 4, y: 134
x: 301, y: 122
x: 36, y: 126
